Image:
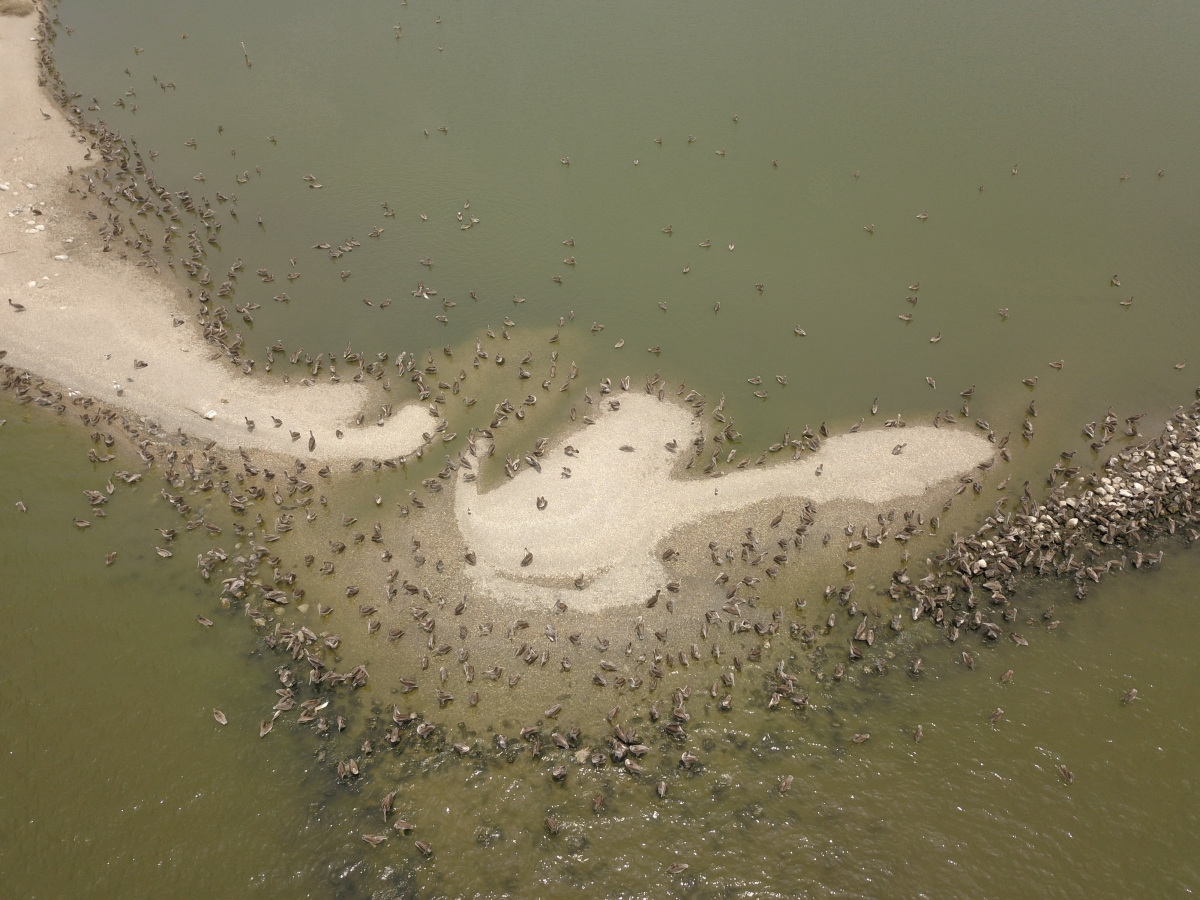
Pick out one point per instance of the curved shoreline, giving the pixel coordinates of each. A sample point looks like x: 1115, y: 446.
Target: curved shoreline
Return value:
x: 607, y: 495
x: 90, y: 320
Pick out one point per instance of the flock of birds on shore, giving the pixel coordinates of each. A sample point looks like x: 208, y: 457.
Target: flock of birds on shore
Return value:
x: 1089, y: 525
x: 1083, y: 530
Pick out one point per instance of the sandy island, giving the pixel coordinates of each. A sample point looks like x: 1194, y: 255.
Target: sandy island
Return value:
x: 88, y: 316
x: 616, y: 495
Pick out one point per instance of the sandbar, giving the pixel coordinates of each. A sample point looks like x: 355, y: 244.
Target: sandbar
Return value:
x: 608, y: 509
x: 90, y: 321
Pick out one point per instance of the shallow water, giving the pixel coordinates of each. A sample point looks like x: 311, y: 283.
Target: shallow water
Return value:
x: 121, y: 782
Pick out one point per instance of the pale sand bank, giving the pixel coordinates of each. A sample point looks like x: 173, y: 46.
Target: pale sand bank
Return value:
x: 88, y: 316
x: 605, y: 521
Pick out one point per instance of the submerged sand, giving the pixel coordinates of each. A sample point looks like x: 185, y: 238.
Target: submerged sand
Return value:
x: 89, y: 317
x: 607, y: 509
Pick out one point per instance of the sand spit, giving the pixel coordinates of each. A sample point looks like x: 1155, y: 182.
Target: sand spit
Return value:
x: 607, y: 509
x: 90, y: 319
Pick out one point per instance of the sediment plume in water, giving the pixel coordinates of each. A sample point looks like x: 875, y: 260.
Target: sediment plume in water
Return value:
x: 782, y: 661
x: 644, y: 680
x: 1041, y: 538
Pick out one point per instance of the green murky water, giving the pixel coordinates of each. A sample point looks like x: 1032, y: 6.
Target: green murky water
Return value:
x: 120, y: 782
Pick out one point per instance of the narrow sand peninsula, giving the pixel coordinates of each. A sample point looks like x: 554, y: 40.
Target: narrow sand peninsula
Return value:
x: 89, y: 316
x: 608, y: 508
